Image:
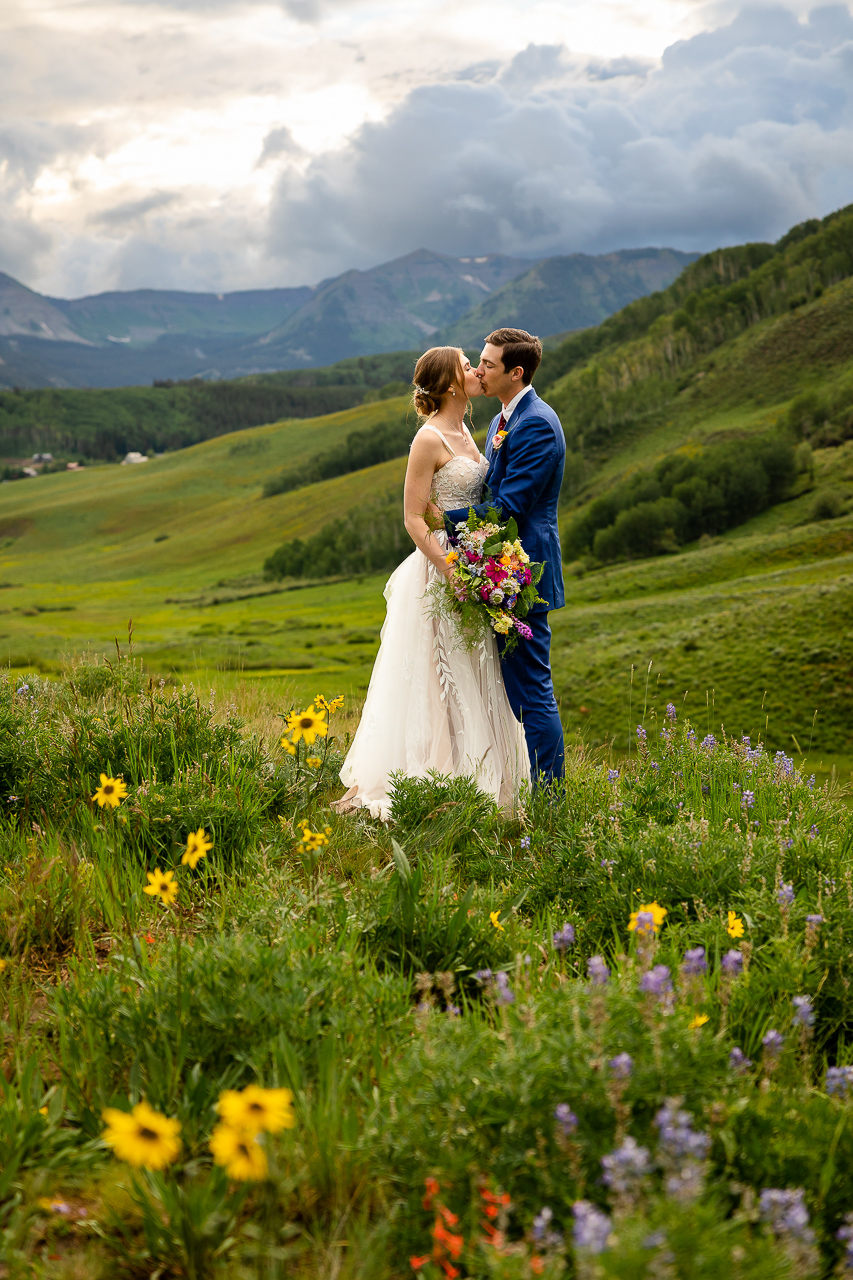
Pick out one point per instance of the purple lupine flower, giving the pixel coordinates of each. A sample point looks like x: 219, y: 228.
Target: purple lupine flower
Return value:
x: 657, y: 982
x: 607, y: 863
x: 785, y: 895
x: 814, y: 921
x: 803, y: 1012
x: 677, y: 1135
x: 453, y: 1010
x: 541, y: 1230
x: 671, y: 713
x: 709, y: 742
x: 732, y: 963
x: 621, y: 1066
x: 564, y: 938
x: 592, y: 1227
x: 748, y: 799
x: 525, y: 842
x: 641, y: 733
x: 773, y: 1042
x: 810, y: 783
x: 845, y: 1233
x: 745, y: 739
x: 483, y: 975
x: 504, y: 991
x: 784, y: 763
x: 736, y: 786
x: 691, y: 737
x: 694, y: 962
x: 814, y: 830
x: 655, y: 766
x: 626, y: 1166
x: 706, y: 790
x: 738, y: 1061
x: 789, y: 844
x: 612, y: 775
x: 839, y: 1081
x: 785, y: 1212
x: 597, y: 970
x: 566, y: 1119
x: 645, y: 922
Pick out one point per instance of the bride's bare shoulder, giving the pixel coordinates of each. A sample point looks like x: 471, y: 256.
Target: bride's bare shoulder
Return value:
x: 426, y: 444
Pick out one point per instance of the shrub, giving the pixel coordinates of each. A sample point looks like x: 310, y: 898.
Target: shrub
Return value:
x: 369, y: 539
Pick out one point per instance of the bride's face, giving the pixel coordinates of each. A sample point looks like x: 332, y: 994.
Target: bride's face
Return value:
x: 471, y: 384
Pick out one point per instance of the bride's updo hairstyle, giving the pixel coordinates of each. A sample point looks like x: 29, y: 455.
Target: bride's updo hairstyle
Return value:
x: 436, y: 372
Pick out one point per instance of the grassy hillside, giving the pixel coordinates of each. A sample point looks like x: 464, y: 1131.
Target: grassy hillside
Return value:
x: 570, y: 292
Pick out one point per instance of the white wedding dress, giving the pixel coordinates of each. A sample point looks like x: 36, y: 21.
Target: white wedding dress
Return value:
x: 431, y: 704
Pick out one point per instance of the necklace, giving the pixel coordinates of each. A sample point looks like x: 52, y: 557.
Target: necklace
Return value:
x: 460, y: 430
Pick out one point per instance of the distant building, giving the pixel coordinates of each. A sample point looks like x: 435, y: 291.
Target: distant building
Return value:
x: 74, y: 466
x: 29, y: 472
x: 131, y: 459
x: 42, y: 457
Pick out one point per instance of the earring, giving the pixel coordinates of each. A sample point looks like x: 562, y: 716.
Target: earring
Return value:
x: 452, y: 392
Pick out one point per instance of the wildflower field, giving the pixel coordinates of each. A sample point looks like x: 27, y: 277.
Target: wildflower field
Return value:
x: 607, y: 1035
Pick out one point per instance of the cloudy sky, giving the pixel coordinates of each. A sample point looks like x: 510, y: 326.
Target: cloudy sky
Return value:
x: 231, y: 144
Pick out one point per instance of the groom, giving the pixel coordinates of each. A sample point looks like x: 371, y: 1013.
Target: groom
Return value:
x: 526, y: 450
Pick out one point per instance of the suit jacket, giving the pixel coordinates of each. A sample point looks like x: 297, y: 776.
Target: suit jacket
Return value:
x: 524, y: 476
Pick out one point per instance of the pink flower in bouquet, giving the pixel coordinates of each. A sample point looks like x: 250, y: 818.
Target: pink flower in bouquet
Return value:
x: 523, y: 629
x: 485, y: 592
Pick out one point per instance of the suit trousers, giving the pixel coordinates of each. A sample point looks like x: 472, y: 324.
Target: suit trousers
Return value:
x: 527, y: 676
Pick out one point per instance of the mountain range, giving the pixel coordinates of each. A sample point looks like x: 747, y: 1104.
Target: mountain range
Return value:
x: 145, y: 335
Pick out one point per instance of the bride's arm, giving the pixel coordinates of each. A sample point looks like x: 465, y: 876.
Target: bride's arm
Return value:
x: 420, y: 517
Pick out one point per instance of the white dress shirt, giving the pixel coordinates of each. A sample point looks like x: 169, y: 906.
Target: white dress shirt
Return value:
x: 510, y: 409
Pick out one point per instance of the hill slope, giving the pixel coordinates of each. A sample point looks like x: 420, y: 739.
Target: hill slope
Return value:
x: 574, y: 292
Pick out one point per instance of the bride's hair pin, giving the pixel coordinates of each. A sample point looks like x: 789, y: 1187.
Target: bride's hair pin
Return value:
x: 420, y: 390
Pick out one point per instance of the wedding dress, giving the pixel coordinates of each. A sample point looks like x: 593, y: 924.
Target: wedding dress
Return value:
x: 432, y: 705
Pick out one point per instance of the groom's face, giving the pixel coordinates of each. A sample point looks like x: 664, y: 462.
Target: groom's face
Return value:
x: 496, y: 380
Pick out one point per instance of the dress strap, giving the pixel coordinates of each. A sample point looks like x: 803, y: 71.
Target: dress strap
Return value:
x: 427, y: 426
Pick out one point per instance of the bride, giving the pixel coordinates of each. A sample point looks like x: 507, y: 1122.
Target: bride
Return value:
x: 432, y: 705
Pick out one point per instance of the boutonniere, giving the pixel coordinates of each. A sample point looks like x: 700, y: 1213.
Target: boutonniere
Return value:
x: 498, y: 439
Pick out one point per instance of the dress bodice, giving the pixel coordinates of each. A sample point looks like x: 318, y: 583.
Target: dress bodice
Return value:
x: 459, y: 483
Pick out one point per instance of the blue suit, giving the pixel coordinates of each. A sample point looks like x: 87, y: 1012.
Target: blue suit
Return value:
x: 524, y: 476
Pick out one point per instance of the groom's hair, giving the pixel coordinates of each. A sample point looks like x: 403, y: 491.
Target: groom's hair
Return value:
x: 518, y: 347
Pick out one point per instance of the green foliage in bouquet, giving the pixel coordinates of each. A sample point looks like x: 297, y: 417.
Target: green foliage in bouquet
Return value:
x: 493, y: 584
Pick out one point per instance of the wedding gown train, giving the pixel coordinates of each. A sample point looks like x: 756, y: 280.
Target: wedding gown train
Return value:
x: 432, y: 705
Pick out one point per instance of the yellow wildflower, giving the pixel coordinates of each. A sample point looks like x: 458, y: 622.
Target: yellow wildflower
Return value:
x: 142, y: 1137
x: 502, y: 624
x: 111, y: 792
x: 451, y: 557
x: 253, y: 1109
x: 734, y: 928
x: 42, y: 1111
x: 495, y: 917
x: 288, y: 746
x: 698, y: 1020
x: 313, y: 762
x: 239, y: 1152
x: 197, y: 847
x: 329, y: 707
x: 3, y: 964
x: 162, y: 885
x: 651, y: 908
x: 313, y: 839
x: 308, y: 725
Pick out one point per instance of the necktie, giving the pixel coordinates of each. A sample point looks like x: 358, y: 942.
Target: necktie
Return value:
x: 502, y: 422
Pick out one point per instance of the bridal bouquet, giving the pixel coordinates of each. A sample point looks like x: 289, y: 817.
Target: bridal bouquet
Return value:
x: 493, y: 584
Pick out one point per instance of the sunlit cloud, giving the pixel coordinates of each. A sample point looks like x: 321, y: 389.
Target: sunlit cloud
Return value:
x: 228, y: 143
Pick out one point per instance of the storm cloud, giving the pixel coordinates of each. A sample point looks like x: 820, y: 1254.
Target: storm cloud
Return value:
x: 734, y: 135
